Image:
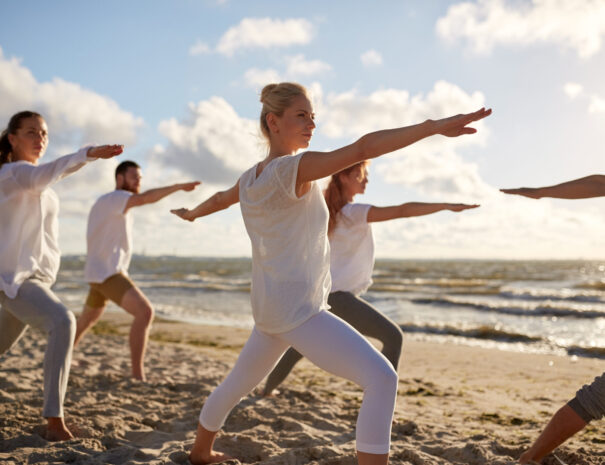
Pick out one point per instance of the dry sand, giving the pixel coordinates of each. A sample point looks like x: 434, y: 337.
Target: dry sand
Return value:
x: 456, y: 405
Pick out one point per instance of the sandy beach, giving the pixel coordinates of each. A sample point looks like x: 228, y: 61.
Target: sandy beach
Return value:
x: 457, y: 404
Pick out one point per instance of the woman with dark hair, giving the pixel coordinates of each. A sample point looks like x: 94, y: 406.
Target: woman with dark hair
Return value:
x: 29, y: 253
x: 352, y: 262
x: 287, y: 221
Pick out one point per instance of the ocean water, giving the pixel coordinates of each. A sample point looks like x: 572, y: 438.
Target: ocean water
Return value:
x: 533, y: 306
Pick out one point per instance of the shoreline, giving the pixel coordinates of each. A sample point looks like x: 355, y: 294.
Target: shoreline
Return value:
x: 456, y: 403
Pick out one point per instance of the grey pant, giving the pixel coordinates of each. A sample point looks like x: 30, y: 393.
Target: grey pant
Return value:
x: 589, y: 402
x: 364, y: 318
x: 36, y: 305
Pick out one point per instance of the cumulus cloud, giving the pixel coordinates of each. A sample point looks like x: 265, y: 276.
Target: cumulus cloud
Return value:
x: 371, y: 58
x: 75, y: 116
x: 572, y: 89
x: 258, y: 78
x: 574, y: 24
x: 349, y: 114
x: 265, y: 33
x: 597, y: 104
x: 297, y: 68
x: 431, y: 166
x: 298, y: 65
x: 212, y: 143
x: 199, y: 48
x: 504, y: 227
x: 436, y: 174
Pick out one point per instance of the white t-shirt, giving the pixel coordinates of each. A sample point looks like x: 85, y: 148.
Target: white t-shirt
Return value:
x: 290, y: 250
x: 352, y: 250
x: 109, y: 237
x: 29, y: 228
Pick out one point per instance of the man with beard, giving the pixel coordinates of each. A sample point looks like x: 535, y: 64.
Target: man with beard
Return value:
x: 109, y: 242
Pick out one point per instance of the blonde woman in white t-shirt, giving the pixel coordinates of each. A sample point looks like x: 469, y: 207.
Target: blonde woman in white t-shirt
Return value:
x: 352, y: 263
x: 287, y: 221
x: 29, y: 252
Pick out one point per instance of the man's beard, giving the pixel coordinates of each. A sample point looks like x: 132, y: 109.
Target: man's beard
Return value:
x: 130, y: 187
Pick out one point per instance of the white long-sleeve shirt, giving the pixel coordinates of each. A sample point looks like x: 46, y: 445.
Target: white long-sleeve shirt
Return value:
x: 28, y: 219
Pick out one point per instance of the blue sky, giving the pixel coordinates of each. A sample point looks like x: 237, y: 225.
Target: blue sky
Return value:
x: 178, y: 83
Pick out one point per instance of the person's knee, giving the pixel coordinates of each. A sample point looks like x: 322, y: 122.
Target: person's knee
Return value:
x: 64, y: 324
x: 145, y: 314
x: 386, y: 378
x: 395, y: 338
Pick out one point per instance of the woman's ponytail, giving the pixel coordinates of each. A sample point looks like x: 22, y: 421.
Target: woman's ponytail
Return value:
x: 335, y: 196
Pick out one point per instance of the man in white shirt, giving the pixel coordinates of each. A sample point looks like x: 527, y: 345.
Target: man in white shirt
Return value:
x: 109, y: 241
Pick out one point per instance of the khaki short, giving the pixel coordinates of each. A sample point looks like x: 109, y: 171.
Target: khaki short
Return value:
x: 113, y: 288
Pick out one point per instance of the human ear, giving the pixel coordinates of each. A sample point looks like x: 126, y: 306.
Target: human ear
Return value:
x: 272, y: 123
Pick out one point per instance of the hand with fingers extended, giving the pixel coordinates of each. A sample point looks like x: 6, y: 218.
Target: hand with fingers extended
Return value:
x: 455, y: 126
x: 189, y: 186
x: 105, y: 151
x: 458, y: 207
x: 183, y: 213
x: 530, y: 192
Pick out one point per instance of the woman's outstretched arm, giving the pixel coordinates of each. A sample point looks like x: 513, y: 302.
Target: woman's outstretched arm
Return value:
x: 43, y: 175
x: 583, y: 188
x: 215, y: 203
x: 410, y: 209
x: 317, y: 165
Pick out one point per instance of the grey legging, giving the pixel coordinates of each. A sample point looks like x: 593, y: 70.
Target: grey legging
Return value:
x: 589, y: 402
x: 364, y: 318
x: 36, y: 305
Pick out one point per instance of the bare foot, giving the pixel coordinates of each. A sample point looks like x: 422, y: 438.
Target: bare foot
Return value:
x: 527, y: 458
x: 213, y: 457
x: 273, y: 393
x: 57, y: 430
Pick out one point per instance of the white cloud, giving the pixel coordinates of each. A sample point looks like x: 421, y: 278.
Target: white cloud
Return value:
x: 265, y: 33
x: 436, y: 174
x: 572, y: 89
x: 199, y: 48
x: 297, y: 66
x: 75, y: 116
x: 258, y: 78
x: 597, y: 104
x: 505, y: 227
x: 430, y: 166
x: 575, y: 24
x: 212, y: 143
x: 351, y: 115
x: 371, y: 58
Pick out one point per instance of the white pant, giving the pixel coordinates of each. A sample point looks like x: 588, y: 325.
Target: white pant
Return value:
x: 36, y: 305
x: 331, y: 344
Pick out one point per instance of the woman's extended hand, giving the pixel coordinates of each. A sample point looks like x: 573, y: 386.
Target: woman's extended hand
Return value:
x: 183, y: 213
x: 105, y: 151
x: 189, y: 186
x: 455, y: 126
x: 458, y: 207
x: 530, y: 192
